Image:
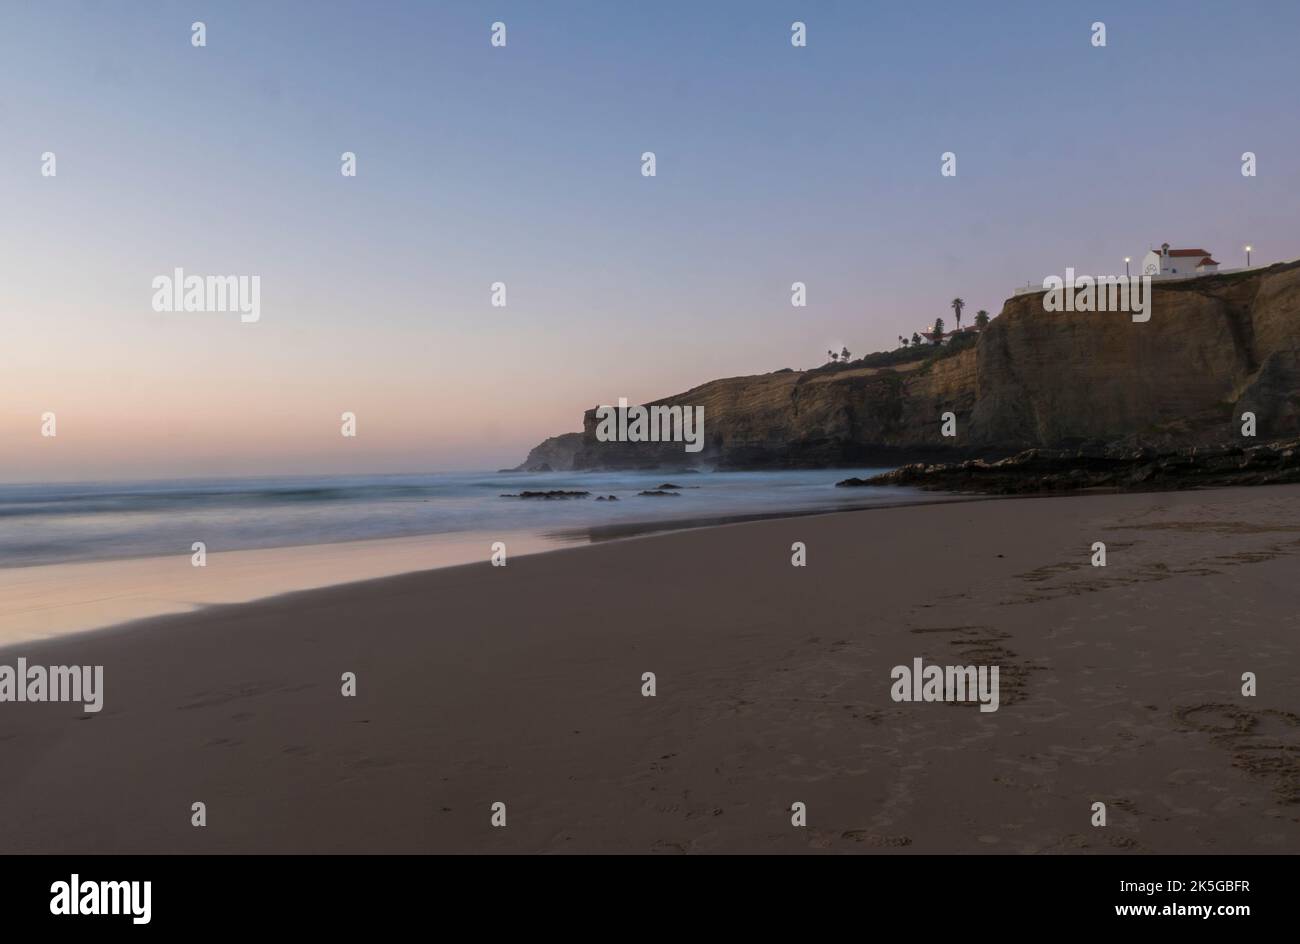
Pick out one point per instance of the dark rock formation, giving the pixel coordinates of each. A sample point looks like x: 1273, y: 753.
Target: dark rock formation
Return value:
x: 553, y: 493
x: 1047, y: 470
x: 552, y: 455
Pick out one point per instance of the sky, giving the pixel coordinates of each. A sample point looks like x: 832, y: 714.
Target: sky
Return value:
x: 522, y: 164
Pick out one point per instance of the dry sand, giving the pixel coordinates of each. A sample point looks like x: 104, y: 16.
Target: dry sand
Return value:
x: 523, y: 685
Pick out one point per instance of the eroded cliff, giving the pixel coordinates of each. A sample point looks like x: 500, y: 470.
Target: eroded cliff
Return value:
x: 1214, y: 347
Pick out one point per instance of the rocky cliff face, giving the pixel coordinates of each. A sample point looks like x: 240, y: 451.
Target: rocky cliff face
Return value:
x: 1213, y: 348
x: 551, y: 455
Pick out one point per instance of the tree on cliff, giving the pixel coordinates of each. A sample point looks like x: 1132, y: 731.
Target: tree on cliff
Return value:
x: 916, y: 339
x: 938, y: 330
x: 844, y: 355
x: 902, y: 341
x: 957, y: 306
x: 981, y: 319
x: 830, y: 355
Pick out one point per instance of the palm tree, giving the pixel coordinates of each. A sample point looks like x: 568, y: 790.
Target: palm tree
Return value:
x: 957, y: 306
x: 981, y: 319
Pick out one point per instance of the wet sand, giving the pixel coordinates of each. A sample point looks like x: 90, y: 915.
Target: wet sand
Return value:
x: 522, y: 685
x: 51, y: 600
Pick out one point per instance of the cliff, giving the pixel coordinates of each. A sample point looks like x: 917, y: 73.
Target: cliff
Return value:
x: 1214, y: 347
x: 551, y: 455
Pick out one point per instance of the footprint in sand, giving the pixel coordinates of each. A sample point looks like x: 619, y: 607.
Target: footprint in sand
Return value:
x: 875, y: 839
x: 1263, y: 742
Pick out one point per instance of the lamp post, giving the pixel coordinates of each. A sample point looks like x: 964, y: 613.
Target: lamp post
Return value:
x: 1127, y: 260
x: 1248, y: 257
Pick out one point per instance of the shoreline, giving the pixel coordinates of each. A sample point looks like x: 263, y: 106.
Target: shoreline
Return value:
x: 53, y: 601
x: 155, y: 582
x: 36, y: 604
x: 523, y: 685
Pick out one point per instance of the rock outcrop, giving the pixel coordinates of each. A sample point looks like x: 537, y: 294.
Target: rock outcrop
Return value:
x: 1047, y: 470
x: 1213, y: 348
x: 551, y: 455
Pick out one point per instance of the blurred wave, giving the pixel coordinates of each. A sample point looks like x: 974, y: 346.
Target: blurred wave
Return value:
x: 53, y: 523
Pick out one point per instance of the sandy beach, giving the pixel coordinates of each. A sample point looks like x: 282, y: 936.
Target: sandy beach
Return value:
x: 522, y: 685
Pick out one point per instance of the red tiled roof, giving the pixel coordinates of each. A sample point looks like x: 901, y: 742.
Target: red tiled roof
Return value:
x: 1206, y: 261
x: 1186, y: 252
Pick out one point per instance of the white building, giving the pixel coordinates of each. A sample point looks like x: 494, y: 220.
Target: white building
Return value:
x: 1179, y: 263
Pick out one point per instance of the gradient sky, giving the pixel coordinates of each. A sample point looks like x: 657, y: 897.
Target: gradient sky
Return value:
x: 522, y: 164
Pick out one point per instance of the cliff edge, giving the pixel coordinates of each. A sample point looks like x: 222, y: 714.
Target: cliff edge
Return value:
x: 1214, y: 347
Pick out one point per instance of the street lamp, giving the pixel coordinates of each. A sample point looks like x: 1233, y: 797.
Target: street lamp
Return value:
x: 1247, y: 257
x: 1127, y: 260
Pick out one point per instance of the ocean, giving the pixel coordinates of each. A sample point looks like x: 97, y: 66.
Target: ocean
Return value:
x: 58, y: 523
